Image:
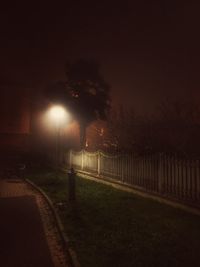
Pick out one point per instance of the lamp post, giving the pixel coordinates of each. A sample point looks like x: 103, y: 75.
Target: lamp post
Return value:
x: 58, y: 116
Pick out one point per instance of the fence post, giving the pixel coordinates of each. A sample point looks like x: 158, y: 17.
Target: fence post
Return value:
x: 82, y: 160
x: 70, y: 158
x: 198, y: 179
x: 123, y: 166
x: 99, y: 163
x: 160, y: 173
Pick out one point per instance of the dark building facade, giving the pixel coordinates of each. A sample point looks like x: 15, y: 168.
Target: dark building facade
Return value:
x: 15, y: 116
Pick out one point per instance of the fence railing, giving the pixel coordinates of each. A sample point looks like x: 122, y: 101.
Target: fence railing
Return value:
x: 161, y: 174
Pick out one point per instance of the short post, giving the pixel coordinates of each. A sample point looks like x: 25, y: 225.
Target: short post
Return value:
x: 70, y: 159
x: 22, y: 168
x: 72, y: 184
x: 82, y: 160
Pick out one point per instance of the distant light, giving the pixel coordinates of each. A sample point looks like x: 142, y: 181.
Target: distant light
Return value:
x: 87, y: 145
x: 58, y: 114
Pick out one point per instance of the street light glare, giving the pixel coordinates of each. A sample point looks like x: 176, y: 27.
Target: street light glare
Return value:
x: 58, y: 113
x: 58, y: 116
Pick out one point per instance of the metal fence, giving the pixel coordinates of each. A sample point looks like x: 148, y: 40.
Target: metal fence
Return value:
x: 161, y: 174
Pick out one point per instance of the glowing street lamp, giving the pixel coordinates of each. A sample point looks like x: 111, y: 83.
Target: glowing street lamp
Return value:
x: 59, y: 116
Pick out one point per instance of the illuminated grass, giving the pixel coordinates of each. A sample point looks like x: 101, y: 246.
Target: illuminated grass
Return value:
x: 108, y: 227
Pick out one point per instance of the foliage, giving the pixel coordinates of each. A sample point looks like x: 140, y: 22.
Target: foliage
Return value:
x: 89, y: 90
x: 174, y: 129
x: 84, y: 93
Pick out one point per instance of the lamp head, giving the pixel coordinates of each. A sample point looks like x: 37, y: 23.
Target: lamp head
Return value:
x: 58, y: 114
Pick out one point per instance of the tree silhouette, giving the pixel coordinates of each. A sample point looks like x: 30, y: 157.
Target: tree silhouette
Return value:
x: 85, y: 93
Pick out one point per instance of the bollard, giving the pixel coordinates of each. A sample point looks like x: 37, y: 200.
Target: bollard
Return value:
x: 72, y: 184
x: 22, y: 168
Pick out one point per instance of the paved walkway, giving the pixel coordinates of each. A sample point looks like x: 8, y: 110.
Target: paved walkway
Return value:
x: 28, y: 236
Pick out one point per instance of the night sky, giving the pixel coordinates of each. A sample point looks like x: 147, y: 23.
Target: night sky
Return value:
x: 148, y: 50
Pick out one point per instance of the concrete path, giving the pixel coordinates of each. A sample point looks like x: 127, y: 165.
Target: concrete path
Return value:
x: 28, y: 237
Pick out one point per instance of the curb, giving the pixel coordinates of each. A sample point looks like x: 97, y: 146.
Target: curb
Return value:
x: 65, y: 240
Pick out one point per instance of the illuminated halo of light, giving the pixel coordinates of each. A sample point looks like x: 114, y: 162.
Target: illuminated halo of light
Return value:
x: 58, y: 115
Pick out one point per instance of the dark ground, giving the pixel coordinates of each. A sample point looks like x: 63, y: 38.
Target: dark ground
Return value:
x: 22, y: 240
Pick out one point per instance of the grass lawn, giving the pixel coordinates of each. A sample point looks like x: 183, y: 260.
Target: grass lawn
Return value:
x: 108, y: 227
